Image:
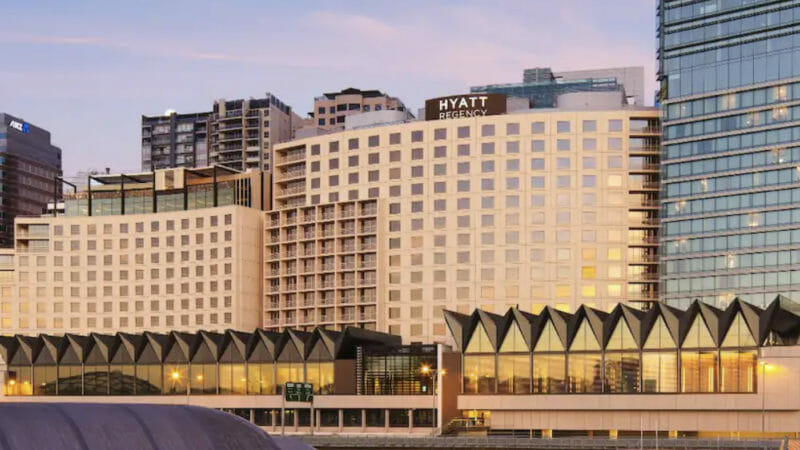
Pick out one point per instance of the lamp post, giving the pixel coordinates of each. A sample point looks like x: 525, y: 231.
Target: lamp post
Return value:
x: 434, y: 374
x: 763, y: 365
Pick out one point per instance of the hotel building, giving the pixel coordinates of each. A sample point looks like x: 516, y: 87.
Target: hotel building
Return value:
x: 178, y: 249
x: 729, y: 73
x: 384, y: 227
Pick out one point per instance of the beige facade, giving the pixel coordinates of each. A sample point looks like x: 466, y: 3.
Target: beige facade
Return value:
x: 182, y: 270
x: 330, y: 109
x: 242, y: 132
x: 324, y: 265
x: 545, y: 207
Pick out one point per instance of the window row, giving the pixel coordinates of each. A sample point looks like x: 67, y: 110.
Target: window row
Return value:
x: 114, y: 323
x: 734, y: 101
x: 731, y: 143
x: 770, y: 199
x: 167, y: 379
x: 732, y: 242
x: 734, y: 222
x: 732, y: 261
x: 611, y: 372
x: 723, y: 164
x: 776, y: 115
x: 730, y: 283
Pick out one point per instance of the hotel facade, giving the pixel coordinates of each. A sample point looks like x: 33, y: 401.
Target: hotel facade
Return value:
x: 386, y: 226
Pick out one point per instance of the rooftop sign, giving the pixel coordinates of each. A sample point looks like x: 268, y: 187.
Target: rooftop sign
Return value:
x: 22, y: 127
x: 469, y: 105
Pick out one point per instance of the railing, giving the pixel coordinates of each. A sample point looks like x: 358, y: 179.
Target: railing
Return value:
x: 644, y: 148
x: 366, y: 316
x: 370, y: 229
x: 370, y: 299
x: 328, y: 216
x: 645, y: 166
x: 368, y: 280
x: 348, y: 300
x: 369, y: 211
x: 327, y: 267
x: 291, y: 174
x: 348, y: 248
x: 650, y: 129
x: 348, y: 266
x: 348, y: 230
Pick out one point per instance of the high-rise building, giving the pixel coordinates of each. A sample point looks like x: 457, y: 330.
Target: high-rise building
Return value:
x: 383, y: 227
x: 242, y: 132
x: 29, y: 164
x: 728, y: 72
x: 542, y: 87
x: 174, y: 140
x: 330, y: 109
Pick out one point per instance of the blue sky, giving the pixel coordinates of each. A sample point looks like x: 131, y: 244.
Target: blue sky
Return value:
x: 87, y: 70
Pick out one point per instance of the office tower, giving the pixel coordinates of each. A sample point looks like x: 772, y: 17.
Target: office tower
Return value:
x: 178, y: 249
x: 330, y: 109
x: 384, y: 227
x: 174, y: 140
x: 244, y: 131
x: 29, y: 164
x: 542, y: 87
x: 728, y: 85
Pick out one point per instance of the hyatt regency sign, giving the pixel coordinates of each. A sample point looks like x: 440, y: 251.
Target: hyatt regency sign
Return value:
x: 472, y: 105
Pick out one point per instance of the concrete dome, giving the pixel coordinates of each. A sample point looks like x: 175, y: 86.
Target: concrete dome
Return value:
x: 125, y: 426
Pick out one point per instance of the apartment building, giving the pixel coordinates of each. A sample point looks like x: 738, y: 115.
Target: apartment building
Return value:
x: 535, y: 208
x: 175, y: 249
x: 330, y: 109
x: 242, y: 132
x: 175, y: 140
x: 731, y: 203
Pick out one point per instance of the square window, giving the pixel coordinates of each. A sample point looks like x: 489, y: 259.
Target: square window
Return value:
x: 562, y: 126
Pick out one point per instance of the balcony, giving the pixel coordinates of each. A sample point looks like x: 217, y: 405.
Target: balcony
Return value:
x: 650, y: 129
x: 369, y: 210
x: 646, y: 167
x: 347, y: 318
x: 367, y: 299
x: 643, y: 222
x: 348, y: 300
x: 369, y: 229
x: 348, y: 266
x: 645, y: 149
x: 290, y: 174
x: 366, y: 316
x: 328, y: 267
x: 327, y: 285
x: 644, y: 259
x: 644, y: 277
x: 348, y: 230
x: 367, y: 281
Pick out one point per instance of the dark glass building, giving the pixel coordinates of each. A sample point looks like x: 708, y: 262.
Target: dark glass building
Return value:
x: 729, y: 72
x: 28, y: 167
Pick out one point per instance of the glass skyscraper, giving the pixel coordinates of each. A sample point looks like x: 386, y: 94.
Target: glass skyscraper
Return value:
x: 729, y: 73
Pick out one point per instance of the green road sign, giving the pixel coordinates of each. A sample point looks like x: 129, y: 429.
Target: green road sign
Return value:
x: 298, y: 392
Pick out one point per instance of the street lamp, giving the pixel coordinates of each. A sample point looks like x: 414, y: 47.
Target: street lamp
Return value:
x: 425, y: 369
x: 764, y: 365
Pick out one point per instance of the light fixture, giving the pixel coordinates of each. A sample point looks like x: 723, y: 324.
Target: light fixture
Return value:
x: 11, y: 382
x: 175, y: 375
x: 425, y: 369
x: 200, y: 377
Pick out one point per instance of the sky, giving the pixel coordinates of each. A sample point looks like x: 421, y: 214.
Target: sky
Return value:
x: 87, y: 70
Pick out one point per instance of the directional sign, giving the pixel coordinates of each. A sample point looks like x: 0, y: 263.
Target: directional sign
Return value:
x: 298, y: 392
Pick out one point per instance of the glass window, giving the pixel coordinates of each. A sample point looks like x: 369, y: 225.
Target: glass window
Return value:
x: 479, y: 374
x: 660, y: 371
x: 585, y: 372
x: 562, y: 126
x: 622, y: 372
x: 549, y: 373
x: 738, y: 334
x: 513, y: 374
